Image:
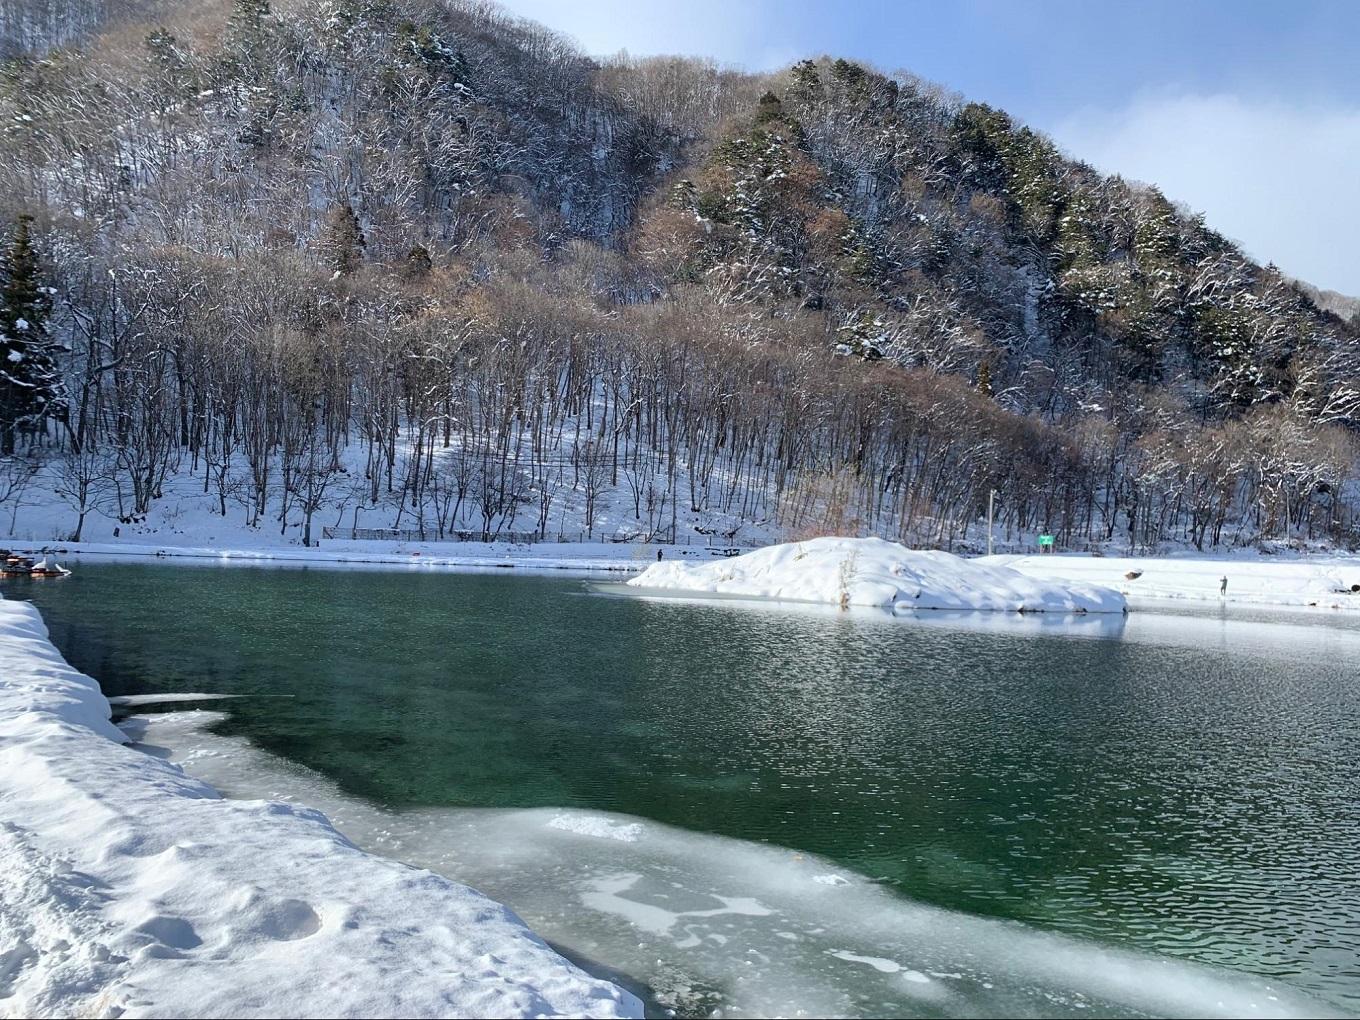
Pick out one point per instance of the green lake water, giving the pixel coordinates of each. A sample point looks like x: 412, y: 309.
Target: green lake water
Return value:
x: 1173, y: 784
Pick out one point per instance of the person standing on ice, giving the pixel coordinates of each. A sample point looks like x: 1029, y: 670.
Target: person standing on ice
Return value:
x: 1223, y: 585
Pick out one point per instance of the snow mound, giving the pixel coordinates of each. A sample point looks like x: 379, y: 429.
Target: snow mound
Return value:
x: 132, y: 890
x: 874, y: 572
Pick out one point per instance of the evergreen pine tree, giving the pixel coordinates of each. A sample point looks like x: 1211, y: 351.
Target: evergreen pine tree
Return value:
x: 984, y: 378
x: 248, y: 15
x: 343, y: 240
x: 247, y: 29
x: 31, y: 387
x: 161, y: 45
x: 418, y: 262
x: 770, y: 108
x: 805, y: 83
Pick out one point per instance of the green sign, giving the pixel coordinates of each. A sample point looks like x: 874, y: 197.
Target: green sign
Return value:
x: 1045, y: 540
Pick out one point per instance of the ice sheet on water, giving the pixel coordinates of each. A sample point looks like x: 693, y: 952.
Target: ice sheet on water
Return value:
x: 710, y: 923
x: 141, y: 700
x: 597, y: 825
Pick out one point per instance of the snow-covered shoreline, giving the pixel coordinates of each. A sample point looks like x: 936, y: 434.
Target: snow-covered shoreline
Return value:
x: 133, y: 890
x: 1318, y: 582
x: 873, y: 572
x: 1315, y: 582
x: 1307, y: 582
x: 576, y: 556
x: 706, y: 919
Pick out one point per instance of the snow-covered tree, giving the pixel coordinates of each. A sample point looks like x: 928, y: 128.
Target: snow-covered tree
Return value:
x: 31, y: 388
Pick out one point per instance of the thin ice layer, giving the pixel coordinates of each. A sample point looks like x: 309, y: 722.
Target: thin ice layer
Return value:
x: 713, y: 925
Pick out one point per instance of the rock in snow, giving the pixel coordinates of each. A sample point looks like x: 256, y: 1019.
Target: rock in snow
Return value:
x: 130, y: 889
x: 873, y: 572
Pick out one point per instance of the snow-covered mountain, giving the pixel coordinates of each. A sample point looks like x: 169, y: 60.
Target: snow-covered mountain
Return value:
x: 424, y: 264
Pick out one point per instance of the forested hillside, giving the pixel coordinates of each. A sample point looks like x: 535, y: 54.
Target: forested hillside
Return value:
x: 427, y: 259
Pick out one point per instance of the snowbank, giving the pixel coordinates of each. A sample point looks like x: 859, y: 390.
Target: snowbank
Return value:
x: 1322, y: 582
x: 132, y: 890
x: 873, y: 572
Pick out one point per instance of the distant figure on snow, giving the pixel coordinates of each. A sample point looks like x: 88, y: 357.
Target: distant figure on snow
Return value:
x: 658, y: 556
x: 1223, y: 585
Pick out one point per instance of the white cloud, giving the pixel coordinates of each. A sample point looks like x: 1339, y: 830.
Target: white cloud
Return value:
x: 1280, y: 179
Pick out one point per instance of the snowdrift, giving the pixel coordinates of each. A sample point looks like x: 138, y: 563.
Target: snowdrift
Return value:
x: 874, y: 572
x: 133, y: 890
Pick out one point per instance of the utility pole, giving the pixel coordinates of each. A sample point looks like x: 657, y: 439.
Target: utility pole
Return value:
x: 991, y: 503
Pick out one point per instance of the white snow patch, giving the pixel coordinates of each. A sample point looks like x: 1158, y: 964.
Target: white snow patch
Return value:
x: 877, y: 962
x: 874, y: 572
x: 598, y: 827
x: 1319, y: 582
x: 608, y: 896
x: 131, y: 889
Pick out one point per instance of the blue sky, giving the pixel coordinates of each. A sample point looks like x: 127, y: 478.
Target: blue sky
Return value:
x: 1247, y: 111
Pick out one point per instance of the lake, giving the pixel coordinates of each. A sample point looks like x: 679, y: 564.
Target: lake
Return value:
x: 756, y: 809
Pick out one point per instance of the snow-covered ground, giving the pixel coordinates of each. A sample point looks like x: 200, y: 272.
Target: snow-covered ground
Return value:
x: 187, y: 521
x: 538, y: 556
x: 186, y: 515
x: 1317, y: 581
x: 130, y: 889
x: 874, y: 572
x: 1323, y: 582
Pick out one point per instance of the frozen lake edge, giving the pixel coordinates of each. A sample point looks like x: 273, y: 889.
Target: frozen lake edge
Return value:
x: 136, y: 890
